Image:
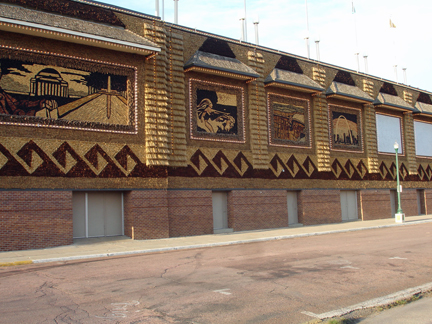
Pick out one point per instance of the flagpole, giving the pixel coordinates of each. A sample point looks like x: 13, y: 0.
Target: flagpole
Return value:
x: 245, y: 22
x: 356, y: 39
x: 307, y: 31
x: 393, y: 26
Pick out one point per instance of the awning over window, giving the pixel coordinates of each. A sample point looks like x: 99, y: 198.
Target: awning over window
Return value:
x: 347, y: 92
x: 216, y: 64
x: 37, y: 23
x: 392, y: 102
x: 423, y: 108
x: 292, y: 80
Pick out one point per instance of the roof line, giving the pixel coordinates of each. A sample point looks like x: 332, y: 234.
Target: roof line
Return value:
x: 78, y: 34
x: 239, y: 42
x: 120, y: 9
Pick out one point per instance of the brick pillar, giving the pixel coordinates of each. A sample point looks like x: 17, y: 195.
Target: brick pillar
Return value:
x: 257, y: 209
x: 319, y: 207
x: 146, y: 214
x: 190, y: 212
x: 376, y: 204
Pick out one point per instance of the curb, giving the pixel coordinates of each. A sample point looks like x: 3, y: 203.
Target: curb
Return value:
x: 11, y: 264
x: 380, y: 301
x: 206, y: 245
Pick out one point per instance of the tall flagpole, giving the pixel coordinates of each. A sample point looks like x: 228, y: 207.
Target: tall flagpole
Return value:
x: 393, y: 26
x: 356, y: 38
x: 245, y: 22
x: 307, y: 31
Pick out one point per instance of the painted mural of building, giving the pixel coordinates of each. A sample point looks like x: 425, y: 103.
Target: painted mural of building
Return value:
x: 113, y: 122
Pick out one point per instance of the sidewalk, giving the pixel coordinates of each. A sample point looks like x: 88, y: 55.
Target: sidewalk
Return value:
x: 418, y: 312
x: 116, y: 246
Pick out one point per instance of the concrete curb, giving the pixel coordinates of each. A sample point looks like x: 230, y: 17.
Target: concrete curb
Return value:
x: 205, y: 245
x: 380, y: 301
x: 11, y: 264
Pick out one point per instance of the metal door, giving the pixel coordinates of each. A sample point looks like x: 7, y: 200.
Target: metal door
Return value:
x: 97, y: 214
x: 292, y: 207
x: 349, y: 205
x: 220, y: 210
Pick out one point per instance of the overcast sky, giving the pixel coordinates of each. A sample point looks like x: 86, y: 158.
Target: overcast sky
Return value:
x: 342, y: 33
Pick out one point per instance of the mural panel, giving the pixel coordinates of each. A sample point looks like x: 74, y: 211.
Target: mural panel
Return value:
x: 345, y: 128
x: 61, y: 91
x: 289, y: 121
x: 216, y: 111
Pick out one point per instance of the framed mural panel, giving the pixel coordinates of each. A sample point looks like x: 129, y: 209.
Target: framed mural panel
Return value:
x: 216, y: 111
x: 289, y: 121
x: 345, y: 129
x: 60, y: 91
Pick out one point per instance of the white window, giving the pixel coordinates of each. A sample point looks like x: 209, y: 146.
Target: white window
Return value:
x: 389, y: 131
x: 423, y: 134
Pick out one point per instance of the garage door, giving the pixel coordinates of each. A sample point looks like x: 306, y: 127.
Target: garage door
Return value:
x: 97, y: 214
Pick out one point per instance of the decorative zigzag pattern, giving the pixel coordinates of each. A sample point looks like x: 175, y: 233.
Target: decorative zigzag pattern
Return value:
x: 66, y: 160
x: 51, y: 158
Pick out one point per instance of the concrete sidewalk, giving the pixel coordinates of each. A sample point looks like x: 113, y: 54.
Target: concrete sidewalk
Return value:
x: 417, y: 312
x: 116, y: 246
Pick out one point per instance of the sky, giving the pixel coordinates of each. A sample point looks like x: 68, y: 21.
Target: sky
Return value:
x: 341, y: 30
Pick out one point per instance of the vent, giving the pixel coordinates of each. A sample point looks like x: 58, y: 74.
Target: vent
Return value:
x: 288, y: 64
x: 423, y: 97
x: 344, y: 77
x: 389, y: 89
x: 218, y: 47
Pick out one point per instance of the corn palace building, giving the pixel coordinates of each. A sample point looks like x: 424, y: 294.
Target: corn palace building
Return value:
x: 113, y: 122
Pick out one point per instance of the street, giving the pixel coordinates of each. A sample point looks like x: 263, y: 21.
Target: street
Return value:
x: 270, y: 282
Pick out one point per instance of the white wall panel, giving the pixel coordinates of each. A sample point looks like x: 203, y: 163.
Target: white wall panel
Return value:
x: 423, y: 134
x: 388, y: 132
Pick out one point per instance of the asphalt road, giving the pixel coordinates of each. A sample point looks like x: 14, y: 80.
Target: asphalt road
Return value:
x: 284, y: 281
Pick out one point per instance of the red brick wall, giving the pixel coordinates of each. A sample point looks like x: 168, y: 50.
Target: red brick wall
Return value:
x: 146, y: 214
x: 190, y: 212
x: 35, y: 219
x: 428, y: 203
x: 409, y: 202
x: 422, y: 202
x: 257, y: 209
x: 319, y: 207
x: 376, y: 204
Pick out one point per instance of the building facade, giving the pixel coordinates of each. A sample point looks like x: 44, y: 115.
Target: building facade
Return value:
x: 113, y: 122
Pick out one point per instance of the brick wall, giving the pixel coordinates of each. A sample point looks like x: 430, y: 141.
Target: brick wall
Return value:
x: 409, y: 202
x: 35, y: 219
x: 146, y: 214
x: 376, y: 204
x: 422, y: 196
x: 319, y: 207
x: 428, y: 201
x: 255, y: 209
x: 190, y: 212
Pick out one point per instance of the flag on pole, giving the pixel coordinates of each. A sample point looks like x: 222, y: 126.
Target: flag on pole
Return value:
x: 392, y: 25
x: 353, y: 8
